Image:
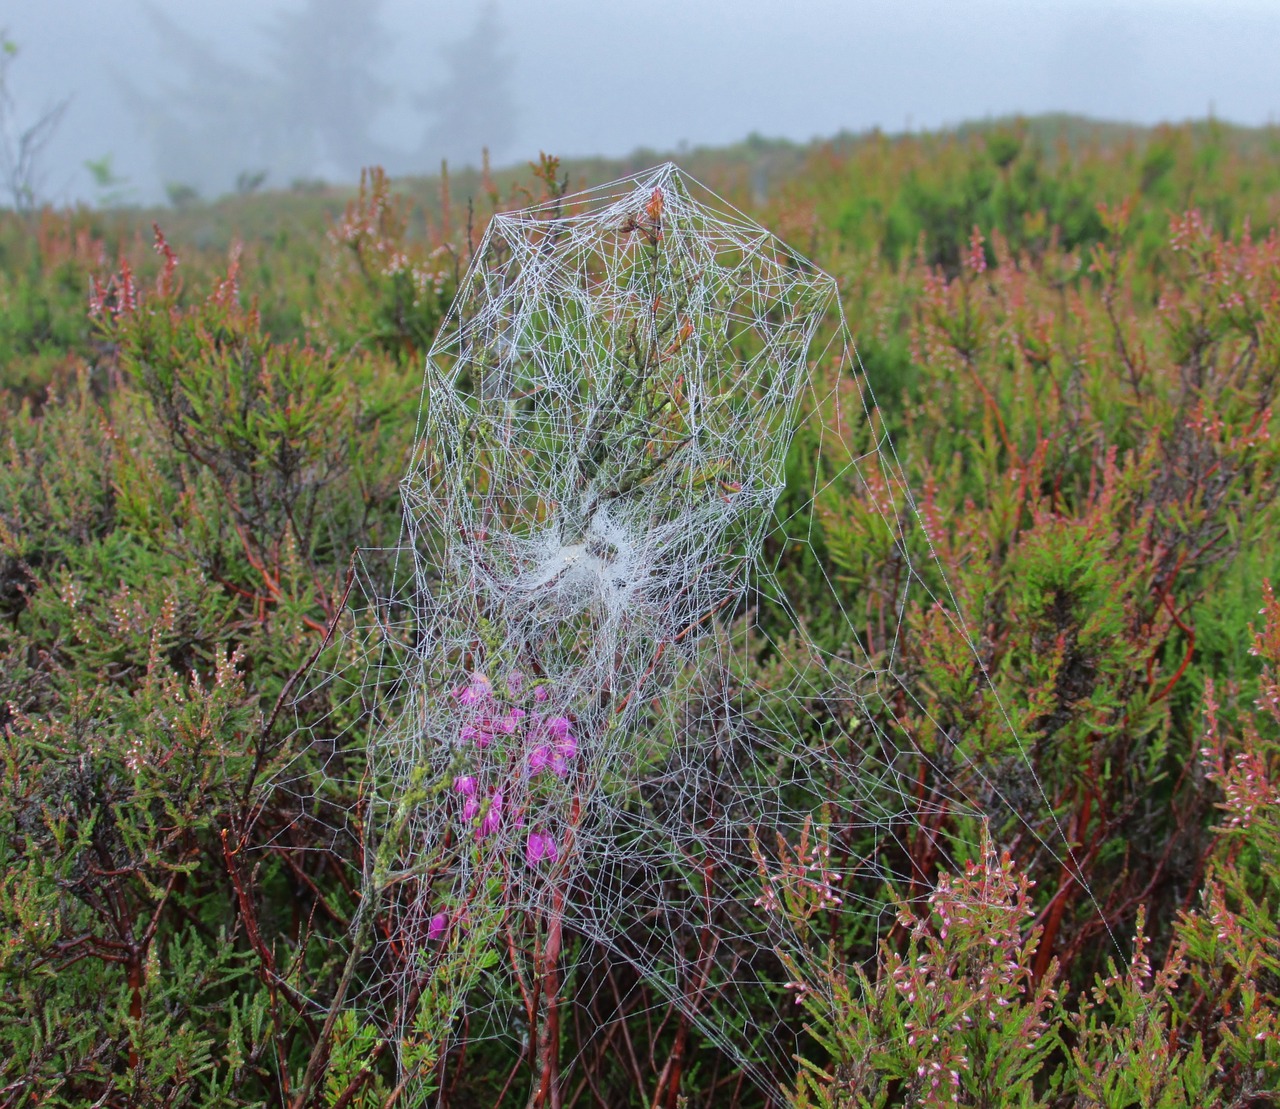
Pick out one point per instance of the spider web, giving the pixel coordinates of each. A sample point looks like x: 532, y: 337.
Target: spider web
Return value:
x: 595, y: 738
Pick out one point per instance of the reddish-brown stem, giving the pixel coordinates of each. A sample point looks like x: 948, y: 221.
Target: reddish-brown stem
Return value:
x: 995, y: 411
x: 1186, y: 658
x: 266, y: 959
x: 1058, y: 906
x: 547, y: 1093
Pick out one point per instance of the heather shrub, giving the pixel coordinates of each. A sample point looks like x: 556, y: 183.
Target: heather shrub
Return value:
x: 174, y: 560
x: 953, y: 1010
x: 956, y: 1017
x: 1073, y: 340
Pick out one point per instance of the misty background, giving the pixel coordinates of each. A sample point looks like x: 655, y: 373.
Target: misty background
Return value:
x: 178, y: 100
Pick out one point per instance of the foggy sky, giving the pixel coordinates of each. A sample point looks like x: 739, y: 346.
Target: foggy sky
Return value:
x: 607, y: 76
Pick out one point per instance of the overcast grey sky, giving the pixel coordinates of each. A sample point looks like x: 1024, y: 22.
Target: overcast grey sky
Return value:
x: 606, y: 76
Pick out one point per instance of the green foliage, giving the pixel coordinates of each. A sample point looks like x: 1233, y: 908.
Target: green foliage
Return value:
x: 957, y: 1018
x: 161, y: 546
x: 1080, y: 387
x: 383, y: 290
x: 45, y: 334
x: 1006, y: 182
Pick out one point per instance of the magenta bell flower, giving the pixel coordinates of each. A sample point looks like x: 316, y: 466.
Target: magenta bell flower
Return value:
x: 554, y: 756
x: 539, y: 760
x: 493, y: 818
x: 479, y: 736
x: 474, y: 693
x: 541, y: 847
x: 508, y: 724
x: 436, y: 926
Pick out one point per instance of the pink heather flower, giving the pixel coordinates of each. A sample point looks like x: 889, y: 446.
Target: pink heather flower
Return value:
x: 437, y: 925
x: 465, y: 785
x: 555, y: 755
x: 477, y: 691
x: 492, y: 818
x: 540, y: 848
x: 515, y: 683
x: 548, y: 757
x: 564, y: 747
x: 470, y: 809
x: 540, y: 693
x: 975, y: 260
x: 479, y: 736
x: 508, y: 724
x: 551, y: 757
x: 540, y: 759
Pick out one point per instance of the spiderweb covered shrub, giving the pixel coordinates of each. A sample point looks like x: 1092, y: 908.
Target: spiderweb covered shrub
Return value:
x: 597, y: 733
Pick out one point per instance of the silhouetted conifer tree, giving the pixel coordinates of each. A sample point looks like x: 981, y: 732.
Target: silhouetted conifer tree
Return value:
x: 308, y: 115
x: 472, y: 107
x: 323, y: 56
